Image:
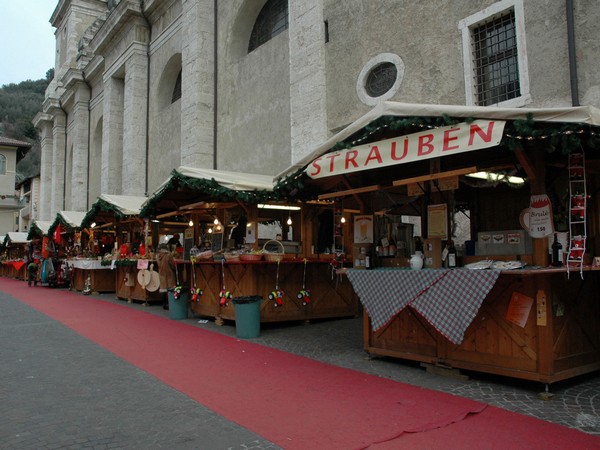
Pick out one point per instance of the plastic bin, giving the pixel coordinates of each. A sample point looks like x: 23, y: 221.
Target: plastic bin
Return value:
x: 178, y: 307
x: 247, y: 316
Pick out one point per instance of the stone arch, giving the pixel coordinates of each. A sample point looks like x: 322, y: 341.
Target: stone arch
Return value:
x: 165, y: 121
x: 241, y: 27
x: 168, y: 82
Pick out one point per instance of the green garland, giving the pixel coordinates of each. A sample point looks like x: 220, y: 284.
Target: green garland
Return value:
x: 98, y: 206
x: 119, y: 262
x: 208, y: 189
x: 60, y: 221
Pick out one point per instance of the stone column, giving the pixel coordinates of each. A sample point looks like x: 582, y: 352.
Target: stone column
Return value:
x: 135, y: 107
x: 80, y: 133
x: 197, y: 83
x: 307, y: 76
x: 112, y: 136
x: 57, y: 199
x: 43, y: 122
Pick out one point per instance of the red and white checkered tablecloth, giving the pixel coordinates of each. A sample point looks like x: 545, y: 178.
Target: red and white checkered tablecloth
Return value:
x: 451, y: 303
x: 447, y: 299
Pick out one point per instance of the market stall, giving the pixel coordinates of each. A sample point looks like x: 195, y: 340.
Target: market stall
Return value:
x: 66, y: 241
x: 112, y: 234
x: 14, y: 255
x: 480, y: 228
x: 241, y: 240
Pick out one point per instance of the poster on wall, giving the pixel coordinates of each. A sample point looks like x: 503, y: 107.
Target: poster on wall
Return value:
x: 537, y: 219
x: 363, y: 229
x: 519, y: 309
x: 437, y: 221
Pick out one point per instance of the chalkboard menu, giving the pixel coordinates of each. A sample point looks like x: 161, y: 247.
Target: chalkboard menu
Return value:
x: 188, y: 243
x: 217, y: 242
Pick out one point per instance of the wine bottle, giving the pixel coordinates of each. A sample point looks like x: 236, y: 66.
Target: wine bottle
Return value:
x: 556, y: 252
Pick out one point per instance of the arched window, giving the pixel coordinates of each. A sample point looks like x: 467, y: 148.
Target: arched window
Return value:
x: 2, y: 165
x: 177, y: 89
x: 272, y: 20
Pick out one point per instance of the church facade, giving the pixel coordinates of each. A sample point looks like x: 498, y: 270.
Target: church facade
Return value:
x: 144, y: 86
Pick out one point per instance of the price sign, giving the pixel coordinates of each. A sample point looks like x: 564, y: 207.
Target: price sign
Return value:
x: 540, y: 216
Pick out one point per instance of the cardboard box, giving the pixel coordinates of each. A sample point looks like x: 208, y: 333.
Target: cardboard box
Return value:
x: 432, y: 250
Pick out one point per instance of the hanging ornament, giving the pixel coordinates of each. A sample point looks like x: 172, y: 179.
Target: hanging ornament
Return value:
x: 177, y: 292
x: 277, y: 296
x: 304, y: 294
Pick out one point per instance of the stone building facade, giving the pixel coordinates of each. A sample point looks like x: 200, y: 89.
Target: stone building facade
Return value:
x: 142, y: 87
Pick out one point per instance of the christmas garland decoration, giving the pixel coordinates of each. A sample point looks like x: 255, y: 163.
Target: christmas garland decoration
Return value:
x: 60, y: 221
x: 34, y: 231
x: 119, y: 262
x: 209, y: 188
x: 518, y: 133
x: 104, y: 206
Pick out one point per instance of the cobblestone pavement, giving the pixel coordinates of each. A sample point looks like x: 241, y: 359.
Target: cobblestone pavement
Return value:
x: 61, y: 391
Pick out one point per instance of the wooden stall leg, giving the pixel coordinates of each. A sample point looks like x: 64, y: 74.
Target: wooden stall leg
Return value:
x: 546, y: 395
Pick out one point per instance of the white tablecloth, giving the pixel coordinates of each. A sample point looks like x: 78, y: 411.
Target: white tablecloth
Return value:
x: 88, y: 264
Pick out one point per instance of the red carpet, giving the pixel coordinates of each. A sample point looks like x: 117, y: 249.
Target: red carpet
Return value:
x: 295, y: 402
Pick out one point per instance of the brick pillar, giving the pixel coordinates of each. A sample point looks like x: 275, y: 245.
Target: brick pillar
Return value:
x: 308, y: 104
x: 197, y: 83
x: 112, y: 136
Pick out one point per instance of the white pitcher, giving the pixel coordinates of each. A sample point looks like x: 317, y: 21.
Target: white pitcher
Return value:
x: 416, y: 261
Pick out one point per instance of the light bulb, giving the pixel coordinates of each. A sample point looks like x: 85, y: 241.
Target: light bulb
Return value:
x: 210, y: 230
x: 191, y: 223
x: 216, y: 222
x: 343, y: 219
x: 289, y: 221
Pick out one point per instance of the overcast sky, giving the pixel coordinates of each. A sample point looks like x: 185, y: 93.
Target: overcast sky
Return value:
x: 27, y: 42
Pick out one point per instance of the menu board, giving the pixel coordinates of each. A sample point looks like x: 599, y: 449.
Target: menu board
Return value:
x: 217, y: 242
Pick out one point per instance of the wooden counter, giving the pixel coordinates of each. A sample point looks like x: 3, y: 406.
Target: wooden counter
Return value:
x: 331, y: 295
x: 132, y: 290
x: 567, y: 345
x: 14, y: 269
x: 102, y: 278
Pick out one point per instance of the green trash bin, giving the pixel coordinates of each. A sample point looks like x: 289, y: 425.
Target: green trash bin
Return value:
x: 247, y: 316
x: 178, y: 302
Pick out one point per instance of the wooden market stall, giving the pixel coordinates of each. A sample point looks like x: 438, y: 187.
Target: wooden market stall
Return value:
x: 38, y: 231
x: 79, y: 259
x: 14, y: 255
x: 112, y: 234
x: 504, y: 184
x: 241, y: 240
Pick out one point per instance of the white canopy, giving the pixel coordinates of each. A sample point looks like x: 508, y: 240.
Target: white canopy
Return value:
x: 72, y: 218
x: 235, y: 181
x: 128, y: 205
x: 580, y: 114
x: 43, y: 225
x: 15, y: 237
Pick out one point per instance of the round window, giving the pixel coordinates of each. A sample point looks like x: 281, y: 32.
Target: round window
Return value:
x: 381, y: 79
